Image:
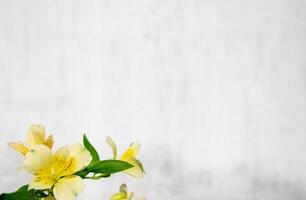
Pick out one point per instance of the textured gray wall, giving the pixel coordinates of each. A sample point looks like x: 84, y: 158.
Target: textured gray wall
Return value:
x: 214, y: 89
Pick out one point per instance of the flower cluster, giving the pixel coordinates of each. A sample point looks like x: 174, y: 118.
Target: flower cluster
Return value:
x: 59, y: 175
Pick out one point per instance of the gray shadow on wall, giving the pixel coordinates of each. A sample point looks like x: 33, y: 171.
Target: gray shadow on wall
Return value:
x: 168, y: 176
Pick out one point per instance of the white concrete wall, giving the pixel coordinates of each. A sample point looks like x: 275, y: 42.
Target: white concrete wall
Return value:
x: 214, y: 89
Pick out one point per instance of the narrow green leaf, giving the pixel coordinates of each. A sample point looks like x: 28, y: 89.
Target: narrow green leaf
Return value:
x: 21, y: 194
x: 109, y: 166
x: 91, y: 149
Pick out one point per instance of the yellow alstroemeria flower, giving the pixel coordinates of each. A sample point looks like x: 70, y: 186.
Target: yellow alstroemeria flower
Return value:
x: 36, y: 135
x: 129, y: 156
x: 124, y: 194
x: 56, y: 170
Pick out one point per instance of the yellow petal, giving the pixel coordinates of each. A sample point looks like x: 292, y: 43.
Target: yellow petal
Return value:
x: 130, y: 195
x: 131, y: 152
x: 36, y: 135
x: 62, y: 162
x: 49, y: 141
x: 81, y: 156
x: 41, y: 182
x: 38, y: 160
x: 19, y: 147
x: 68, y: 188
x: 137, y: 171
x: 119, y: 196
x: 113, y: 146
x: 130, y: 157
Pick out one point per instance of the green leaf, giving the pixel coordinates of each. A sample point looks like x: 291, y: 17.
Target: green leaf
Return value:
x: 21, y: 194
x: 82, y: 173
x: 91, y: 149
x: 109, y: 166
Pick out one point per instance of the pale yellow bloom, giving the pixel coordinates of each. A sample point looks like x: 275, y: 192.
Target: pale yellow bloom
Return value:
x: 124, y: 194
x: 56, y: 170
x: 129, y: 156
x: 36, y: 135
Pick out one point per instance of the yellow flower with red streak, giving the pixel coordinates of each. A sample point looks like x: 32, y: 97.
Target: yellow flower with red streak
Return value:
x: 56, y: 170
x: 129, y: 156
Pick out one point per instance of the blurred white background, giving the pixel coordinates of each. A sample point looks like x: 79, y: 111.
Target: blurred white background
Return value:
x: 214, y: 89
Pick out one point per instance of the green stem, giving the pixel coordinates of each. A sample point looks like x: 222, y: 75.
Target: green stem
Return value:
x: 97, y: 177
